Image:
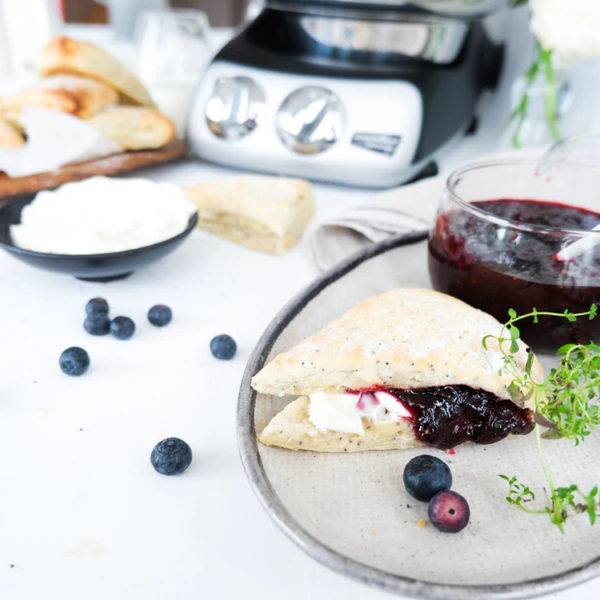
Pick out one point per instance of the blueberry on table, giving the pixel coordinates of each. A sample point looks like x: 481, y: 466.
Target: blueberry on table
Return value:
x: 96, y: 307
x: 223, y: 347
x: 99, y: 325
x: 171, y: 456
x: 425, y: 476
x: 74, y: 361
x: 160, y: 315
x: 122, y: 328
x: 449, y: 512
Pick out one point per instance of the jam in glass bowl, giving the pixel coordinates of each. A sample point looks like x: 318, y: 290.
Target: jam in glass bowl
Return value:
x: 504, y: 237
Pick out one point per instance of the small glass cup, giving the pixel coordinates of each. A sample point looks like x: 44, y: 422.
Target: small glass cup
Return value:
x: 583, y: 149
x: 520, y: 234
x: 173, y: 48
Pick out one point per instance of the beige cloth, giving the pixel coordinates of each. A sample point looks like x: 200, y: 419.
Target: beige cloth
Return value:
x: 404, y: 210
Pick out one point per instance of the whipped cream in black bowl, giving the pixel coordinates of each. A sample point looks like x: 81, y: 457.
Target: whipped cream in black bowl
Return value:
x: 520, y: 234
x: 104, y: 267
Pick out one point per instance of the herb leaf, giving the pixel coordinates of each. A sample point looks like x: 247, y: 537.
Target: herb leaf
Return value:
x: 566, y: 402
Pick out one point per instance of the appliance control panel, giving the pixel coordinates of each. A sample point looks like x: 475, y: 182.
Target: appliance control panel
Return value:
x: 351, y: 131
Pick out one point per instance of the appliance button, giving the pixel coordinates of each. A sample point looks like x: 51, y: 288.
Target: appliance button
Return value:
x: 235, y: 108
x: 310, y: 120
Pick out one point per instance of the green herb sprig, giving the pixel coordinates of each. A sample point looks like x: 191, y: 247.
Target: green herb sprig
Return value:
x: 566, y: 404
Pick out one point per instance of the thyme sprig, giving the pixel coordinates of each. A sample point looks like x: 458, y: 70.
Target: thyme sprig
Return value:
x: 566, y: 404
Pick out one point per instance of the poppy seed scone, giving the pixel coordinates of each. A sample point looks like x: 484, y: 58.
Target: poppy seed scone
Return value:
x: 404, y: 368
x: 267, y: 214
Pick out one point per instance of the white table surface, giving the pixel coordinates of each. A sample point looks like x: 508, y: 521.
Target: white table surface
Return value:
x: 82, y: 513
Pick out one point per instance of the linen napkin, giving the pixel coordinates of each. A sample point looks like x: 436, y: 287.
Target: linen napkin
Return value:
x: 404, y: 210
x: 54, y: 139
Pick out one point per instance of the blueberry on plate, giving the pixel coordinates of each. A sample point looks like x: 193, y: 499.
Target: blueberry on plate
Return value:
x: 96, y: 307
x: 99, y: 325
x: 122, y: 328
x: 425, y: 476
x: 449, y: 512
x: 171, y: 456
x: 223, y: 347
x: 74, y: 361
x: 160, y: 315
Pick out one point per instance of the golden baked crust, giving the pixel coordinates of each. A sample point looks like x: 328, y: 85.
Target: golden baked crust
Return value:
x: 66, y: 55
x: 268, y: 214
x: 292, y: 429
x: 403, y: 339
x: 11, y: 106
x: 135, y: 128
x: 9, y: 137
x: 92, y: 96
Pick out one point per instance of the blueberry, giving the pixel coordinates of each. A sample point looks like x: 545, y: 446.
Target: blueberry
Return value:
x: 160, y: 315
x: 74, y: 361
x: 425, y: 476
x: 98, y: 325
x: 449, y: 511
x: 223, y: 347
x: 96, y: 307
x: 172, y: 456
x: 122, y: 328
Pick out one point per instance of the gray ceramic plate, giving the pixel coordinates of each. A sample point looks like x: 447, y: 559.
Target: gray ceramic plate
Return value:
x: 351, y: 512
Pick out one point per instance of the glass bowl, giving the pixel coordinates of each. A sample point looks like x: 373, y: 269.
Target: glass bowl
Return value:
x: 518, y: 234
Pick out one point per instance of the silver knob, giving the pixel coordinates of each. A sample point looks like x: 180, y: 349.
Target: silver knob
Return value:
x: 235, y: 107
x: 310, y: 120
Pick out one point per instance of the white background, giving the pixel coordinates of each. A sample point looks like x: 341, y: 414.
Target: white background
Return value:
x: 82, y: 513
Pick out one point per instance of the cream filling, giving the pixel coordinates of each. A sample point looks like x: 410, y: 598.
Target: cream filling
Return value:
x: 344, y: 412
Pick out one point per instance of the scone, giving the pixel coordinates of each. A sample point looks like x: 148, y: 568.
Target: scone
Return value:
x: 66, y: 55
x: 11, y: 106
x: 402, y: 369
x: 134, y: 127
x: 92, y: 96
x: 10, y: 137
x: 268, y: 214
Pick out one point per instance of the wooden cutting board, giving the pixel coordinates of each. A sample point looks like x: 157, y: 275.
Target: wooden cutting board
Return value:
x: 109, y: 165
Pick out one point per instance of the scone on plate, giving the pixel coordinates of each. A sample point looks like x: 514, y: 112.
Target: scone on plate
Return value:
x: 9, y: 136
x: 402, y: 369
x: 66, y: 55
x: 268, y: 214
x: 135, y: 127
x: 92, y: 96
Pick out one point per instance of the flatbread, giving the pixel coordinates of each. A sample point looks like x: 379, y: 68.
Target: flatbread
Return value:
x: 134, y: 127
x: 92, y: 96
x: 66, y: 55
x: 11, y: 106
x: 10, y: 137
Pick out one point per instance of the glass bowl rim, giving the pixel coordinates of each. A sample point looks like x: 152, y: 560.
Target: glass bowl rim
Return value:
x: 453, y: 178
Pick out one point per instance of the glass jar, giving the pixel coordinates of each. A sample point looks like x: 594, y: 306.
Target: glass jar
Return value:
x: 520, y: 234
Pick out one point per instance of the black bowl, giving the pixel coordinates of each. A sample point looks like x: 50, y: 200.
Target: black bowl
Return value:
x: 89, y: 267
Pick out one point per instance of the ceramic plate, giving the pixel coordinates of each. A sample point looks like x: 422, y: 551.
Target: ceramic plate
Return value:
x: 351, y: 512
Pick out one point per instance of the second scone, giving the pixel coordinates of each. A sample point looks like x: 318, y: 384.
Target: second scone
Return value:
x: 268, y: 214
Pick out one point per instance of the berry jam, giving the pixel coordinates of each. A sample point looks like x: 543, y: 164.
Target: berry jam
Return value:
x: 495, y: 268
x: 450, y: 415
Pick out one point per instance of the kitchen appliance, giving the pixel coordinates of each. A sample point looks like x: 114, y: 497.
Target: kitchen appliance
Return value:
x: 359, y: 93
